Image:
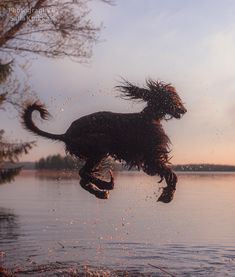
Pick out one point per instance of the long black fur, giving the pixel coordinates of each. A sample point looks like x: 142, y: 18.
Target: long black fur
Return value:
x: 138, y: 139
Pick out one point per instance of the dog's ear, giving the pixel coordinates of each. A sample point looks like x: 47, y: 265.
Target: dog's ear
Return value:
x: 158, y: 87
x: 130, y: 91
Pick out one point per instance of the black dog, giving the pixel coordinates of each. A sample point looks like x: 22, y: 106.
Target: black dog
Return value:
x: 137, y: 139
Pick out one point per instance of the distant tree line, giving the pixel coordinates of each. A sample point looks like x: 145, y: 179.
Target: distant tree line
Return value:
x: 58, y: 162
x: 68, y: 162
x: 204, y: 167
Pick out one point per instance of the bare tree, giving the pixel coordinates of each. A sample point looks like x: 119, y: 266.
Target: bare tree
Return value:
x: 53, y: 28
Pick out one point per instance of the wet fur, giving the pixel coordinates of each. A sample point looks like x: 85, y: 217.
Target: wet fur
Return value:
x: 137, y: 139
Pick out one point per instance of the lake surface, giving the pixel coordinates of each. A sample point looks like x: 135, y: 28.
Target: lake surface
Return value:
x: 52, y: 227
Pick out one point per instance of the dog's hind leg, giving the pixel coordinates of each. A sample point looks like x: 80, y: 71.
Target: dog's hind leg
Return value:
x: 103, y: 184
x: 101, y: 194
x: 165, y: 172
x: 92, y: 184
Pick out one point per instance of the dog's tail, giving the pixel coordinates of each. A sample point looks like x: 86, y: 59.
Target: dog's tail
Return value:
x: 29, y: 124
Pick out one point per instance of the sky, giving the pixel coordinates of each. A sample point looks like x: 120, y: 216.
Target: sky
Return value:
x: 188, y: 43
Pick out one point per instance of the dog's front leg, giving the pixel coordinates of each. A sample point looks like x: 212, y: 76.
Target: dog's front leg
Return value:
x: 152, y: 168
x: 171, y: 180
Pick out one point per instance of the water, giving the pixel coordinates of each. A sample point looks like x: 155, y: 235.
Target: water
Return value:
x: 52, y: 223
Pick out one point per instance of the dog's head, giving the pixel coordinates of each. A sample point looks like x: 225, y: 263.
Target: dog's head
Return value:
x: 162, y: 99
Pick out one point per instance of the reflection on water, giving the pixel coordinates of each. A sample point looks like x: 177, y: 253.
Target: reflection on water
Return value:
x: 7, y: 175
x: 9, y: 225
x: 60, y: 226
x: 57, y: 174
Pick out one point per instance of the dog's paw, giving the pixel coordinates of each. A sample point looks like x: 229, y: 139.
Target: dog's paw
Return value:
x: 102, y: 194
x: 167, y: 195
